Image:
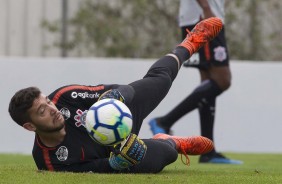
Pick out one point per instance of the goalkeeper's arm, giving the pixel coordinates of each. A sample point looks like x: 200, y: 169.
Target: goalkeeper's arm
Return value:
x: 130, y: 152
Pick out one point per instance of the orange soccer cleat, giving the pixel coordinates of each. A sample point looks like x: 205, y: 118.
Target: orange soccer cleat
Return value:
x: 194, y: 145
x: 202, y: 33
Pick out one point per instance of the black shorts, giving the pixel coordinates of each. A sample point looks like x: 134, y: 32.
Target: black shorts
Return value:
x: 214, y: 53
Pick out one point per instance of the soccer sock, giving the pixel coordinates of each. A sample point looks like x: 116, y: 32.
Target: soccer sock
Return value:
x: 182, y: 53
x: 207, y: 116
x: 206, y: 90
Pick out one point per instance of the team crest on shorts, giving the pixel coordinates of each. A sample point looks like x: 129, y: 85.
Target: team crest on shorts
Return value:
x: 62, y: 153
x: 220, y: 53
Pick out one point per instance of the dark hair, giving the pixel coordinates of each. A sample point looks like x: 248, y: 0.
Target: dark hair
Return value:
x: 21, y: 102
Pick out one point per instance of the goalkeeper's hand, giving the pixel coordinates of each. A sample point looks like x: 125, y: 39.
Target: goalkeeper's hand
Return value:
x: 130, y: 152
x: 113, y: 93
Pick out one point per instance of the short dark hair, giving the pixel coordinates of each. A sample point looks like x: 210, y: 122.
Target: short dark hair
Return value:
x: 21, y: 102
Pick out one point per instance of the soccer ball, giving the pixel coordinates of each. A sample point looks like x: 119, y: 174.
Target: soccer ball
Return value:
x: 108, y: 121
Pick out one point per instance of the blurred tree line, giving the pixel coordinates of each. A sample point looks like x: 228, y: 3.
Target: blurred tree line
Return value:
x: 149, y: 29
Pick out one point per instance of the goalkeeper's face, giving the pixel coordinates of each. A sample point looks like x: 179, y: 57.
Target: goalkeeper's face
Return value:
x: 45, y: 116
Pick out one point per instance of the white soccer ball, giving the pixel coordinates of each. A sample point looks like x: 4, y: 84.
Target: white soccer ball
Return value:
x: 108, y: 121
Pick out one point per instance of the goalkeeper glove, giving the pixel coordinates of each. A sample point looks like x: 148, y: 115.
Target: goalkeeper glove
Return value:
x: 113, y: 93
x: 130, y: 152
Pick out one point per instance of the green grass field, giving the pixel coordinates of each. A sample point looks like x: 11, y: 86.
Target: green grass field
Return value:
x: 257, y: 168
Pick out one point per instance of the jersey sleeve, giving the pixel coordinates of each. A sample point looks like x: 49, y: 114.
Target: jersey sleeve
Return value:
x: 95, y: 166
x: 69, y: 157
x: 100, y: 165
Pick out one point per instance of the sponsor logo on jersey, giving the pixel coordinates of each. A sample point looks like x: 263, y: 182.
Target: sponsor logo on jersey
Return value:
x: 65, y: 112
x: 62, y: 153
x: 220, y: 53
x: 84, y: 95
x: 80, y: 117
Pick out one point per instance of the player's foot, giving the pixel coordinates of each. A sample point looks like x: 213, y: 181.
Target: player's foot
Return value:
x: 217, y: 158
x: 194, y: 145
x: 203, y: 32
x: 156, y: 128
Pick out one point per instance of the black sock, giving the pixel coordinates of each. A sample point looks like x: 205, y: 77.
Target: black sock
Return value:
x: 182, y: 53
x: 207, y: 115
x: 206, y: 90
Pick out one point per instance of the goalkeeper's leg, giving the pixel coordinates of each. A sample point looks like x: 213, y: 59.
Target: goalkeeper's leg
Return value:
x: 160, y: 153
x: 151, y: 90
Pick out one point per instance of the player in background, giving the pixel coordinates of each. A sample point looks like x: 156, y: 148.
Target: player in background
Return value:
x: 212, y: 60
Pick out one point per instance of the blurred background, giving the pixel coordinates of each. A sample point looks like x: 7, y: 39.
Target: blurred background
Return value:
x: 124, y: 28
x: 49, y: 43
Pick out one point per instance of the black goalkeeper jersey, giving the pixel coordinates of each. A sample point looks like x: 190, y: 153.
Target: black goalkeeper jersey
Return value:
x: 78, y: 152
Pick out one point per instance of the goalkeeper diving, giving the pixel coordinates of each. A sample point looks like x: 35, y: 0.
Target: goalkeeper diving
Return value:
x: 62, y: 143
